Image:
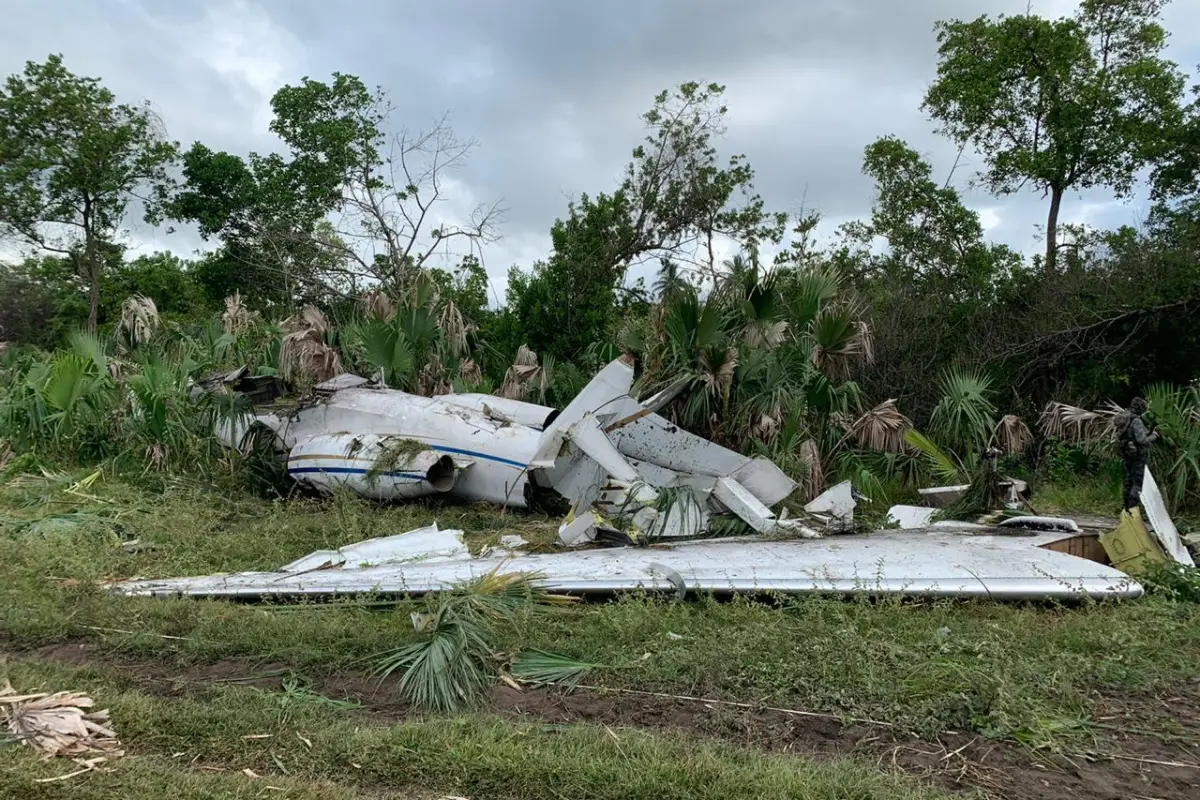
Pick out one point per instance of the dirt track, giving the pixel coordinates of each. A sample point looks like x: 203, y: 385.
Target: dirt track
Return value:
x: 1127, y: 766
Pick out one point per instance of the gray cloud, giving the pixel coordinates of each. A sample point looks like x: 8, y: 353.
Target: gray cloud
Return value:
x: 554, y: 90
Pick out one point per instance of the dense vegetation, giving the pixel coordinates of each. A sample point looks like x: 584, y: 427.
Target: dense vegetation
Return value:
x: 331, y: 257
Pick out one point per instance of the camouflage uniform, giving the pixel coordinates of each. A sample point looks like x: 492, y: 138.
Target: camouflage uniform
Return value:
x: 1135, y: 451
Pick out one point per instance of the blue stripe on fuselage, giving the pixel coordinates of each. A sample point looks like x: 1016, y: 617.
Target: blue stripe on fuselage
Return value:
x: 472, y: 453
x: 418, y: 476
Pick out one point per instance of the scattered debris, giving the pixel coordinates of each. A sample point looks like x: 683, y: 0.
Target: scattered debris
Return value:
x: 1161, y: 524
x: 58, y: 725
x: 835, y: 505
x: 910, y: 517
x: 427, y: 544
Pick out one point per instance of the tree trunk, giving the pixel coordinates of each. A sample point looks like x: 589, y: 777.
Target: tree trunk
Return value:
x: 93, y: 295
x: 1056, y: 194
x: 90, y: 262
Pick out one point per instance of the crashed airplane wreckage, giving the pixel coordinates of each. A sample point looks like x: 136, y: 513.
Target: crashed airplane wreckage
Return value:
x: 605, y: 452
x: 614, y: 457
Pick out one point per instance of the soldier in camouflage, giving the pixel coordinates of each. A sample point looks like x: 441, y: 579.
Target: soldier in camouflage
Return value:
x: 1135, y: 443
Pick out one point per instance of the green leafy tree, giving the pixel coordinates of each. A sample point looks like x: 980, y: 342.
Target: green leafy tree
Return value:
x: 1178, y: 177
x: 272, y: 211
x: 675, y: 201
x: 935, y: 243
x: 72, y: 160
x: 165, y: 278
x: 1059, y: 105
x: 386, y: 187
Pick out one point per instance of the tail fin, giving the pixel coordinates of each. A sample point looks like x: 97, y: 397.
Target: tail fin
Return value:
x: 607, y: 395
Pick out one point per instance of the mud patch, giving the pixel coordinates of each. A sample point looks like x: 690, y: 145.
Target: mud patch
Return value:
x: 1149, y: 747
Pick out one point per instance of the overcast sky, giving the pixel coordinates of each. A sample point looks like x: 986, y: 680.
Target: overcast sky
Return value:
x: 553, y: 89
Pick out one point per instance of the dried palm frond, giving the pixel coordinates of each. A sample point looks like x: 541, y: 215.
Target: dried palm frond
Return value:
x: 814, y: 482
x: 139, y: 318
x: 766, y: 335
x: 767, y: 426
x: 881, y: 429
x: 454, y: 328
x: 522, y: 374
x: 431, y: 381
x: 470, y: 372
x: 58, y: 724
x: 304, y: 352
x: 301, y: 354
x: 1013, y: 434
x: 1072, y: 424
x: 237, y: 318
x: 378, y: 305
x: 718, y: 369
x: 311, y: 319
x: 1195, y: 415
x: 863, y: 343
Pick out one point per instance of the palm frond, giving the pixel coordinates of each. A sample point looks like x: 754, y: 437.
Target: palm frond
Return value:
x: 521, y: 376
x: 814, y: 479
x: 1013, y: 434
x: 1069, y: 423
x: 940, y: 464
x: 455, y: 329
x: 378, y: 306
x: 237, y: 319
x: 58, y: 724
x: 962, y: 418
x: 539, y: 668
x: 139, y: 319
x: 447, y: 671
x: 881, y: 429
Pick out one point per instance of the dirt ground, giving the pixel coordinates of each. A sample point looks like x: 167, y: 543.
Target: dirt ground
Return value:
x: 1133, y: 760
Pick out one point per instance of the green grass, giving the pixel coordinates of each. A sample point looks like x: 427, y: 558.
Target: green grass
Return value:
x: 1099, y: 494
x: 317, y: 751
x: 1024, y: 672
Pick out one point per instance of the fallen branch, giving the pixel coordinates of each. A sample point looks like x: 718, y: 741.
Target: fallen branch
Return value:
x: 1183, y: 764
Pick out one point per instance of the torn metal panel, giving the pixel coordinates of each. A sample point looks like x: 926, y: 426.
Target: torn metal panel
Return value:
x: 426, y: 545
x: 1161, y: 523
x: 1042, y: 524
x: 942, y: 496
x: 656, y: 440
x: 764, y: 480
x: 938, y: 563
x: 837, y: 502
x: 344, y: 381
x: 910, y: 517
x: 503, y: 409
x: 747, y: 507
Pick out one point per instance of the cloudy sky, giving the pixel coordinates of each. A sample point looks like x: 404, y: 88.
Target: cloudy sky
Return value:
x: 553, y: 89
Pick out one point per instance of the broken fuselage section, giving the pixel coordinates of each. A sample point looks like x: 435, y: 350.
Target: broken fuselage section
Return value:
x: 609, y: 455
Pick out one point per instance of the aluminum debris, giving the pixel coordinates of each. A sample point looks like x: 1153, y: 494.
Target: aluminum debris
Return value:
x: 423, y: 544
x: 940, y: 562
x: 1161, y: 524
